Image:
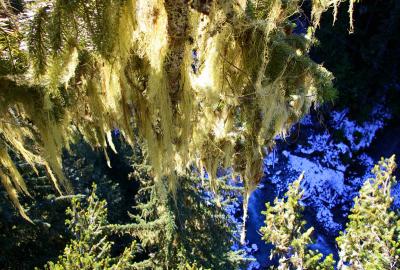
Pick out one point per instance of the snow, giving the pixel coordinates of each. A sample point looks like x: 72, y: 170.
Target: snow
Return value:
x: 360, y: 136
x: 325, y: 155
x: 331, y: 153
x: 395, y: 193
x: 319, y: 178
x: 306, y: 120
x: 322, y: 187
x: 335, y: 163
x: 254, y: 247
x: 366, y: 160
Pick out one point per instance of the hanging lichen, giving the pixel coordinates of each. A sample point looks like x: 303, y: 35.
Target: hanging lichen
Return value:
x: 209, y: 83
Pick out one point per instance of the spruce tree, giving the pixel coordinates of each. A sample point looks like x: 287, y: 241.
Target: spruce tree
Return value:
x: 90, y: 247
x: 192, y: 231
x: 285, y: 229
x: 371, y: 239
x: 189, y: 231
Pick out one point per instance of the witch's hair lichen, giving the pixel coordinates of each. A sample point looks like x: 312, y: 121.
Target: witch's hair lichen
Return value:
x: 209, y: 83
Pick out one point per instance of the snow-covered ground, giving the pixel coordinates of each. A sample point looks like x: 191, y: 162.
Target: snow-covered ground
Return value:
x: 330, y: 181
x: 334, y: 157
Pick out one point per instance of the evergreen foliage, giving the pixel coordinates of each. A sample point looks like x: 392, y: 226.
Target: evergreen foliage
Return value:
x: 25, y: 245
x: 285, y: 229
x: 91, y: 247
x: 190, y: 230
x: 371, y: 239
x: 199, y: 230
x: 12, y: 60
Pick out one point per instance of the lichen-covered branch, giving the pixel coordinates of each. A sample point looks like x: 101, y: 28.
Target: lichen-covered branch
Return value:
x: 206, y: 83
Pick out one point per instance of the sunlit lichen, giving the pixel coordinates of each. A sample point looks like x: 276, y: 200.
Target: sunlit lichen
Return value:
x: 205, y: 83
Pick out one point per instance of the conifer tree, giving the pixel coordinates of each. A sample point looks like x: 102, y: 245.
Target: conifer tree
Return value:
x: 285, y: 229
x: 189, y: 231
x: 91, y: 247
x: 371, y: 239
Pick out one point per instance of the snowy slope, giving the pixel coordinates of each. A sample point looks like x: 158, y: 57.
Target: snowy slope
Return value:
x: 334, y: 157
